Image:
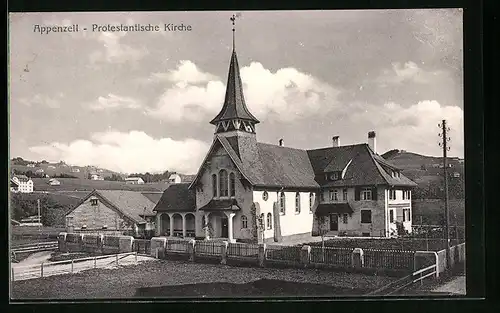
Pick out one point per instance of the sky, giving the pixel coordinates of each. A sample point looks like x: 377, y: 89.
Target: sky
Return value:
x: 142, y: 101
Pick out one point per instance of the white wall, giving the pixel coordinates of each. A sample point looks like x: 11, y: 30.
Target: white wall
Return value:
x: 397, y: 205
x: 291, y: 223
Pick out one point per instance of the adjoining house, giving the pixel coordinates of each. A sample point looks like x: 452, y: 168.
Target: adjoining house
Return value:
x: 251, y: 191
x: 24, y: 183
x: 40, y: 171
x: 175, y: 212
x: 134, y: 180
x: 121, y: 211
x: 176, y: 178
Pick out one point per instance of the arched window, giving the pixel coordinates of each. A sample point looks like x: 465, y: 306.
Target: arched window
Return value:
x: 282, y: 203
x: 297, y: 202
x: 232, y: 185
x: 244, y: 221
x: 311, y: 201
x: 214, y: 185
x: 269, y: 221
x: 223, y: 183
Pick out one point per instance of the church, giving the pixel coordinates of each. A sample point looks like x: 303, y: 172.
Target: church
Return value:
x: 248, y: 191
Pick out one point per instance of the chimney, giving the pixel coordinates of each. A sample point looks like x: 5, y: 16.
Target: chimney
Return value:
x: 372, y: 141
x: 281, y: 142
x: 335, y: 141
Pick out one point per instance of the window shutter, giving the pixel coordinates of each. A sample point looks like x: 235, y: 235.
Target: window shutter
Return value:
x: 356, y: 193
x: 374, y: 193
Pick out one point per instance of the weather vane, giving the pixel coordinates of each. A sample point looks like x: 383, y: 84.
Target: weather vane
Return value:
x: 233, y: 18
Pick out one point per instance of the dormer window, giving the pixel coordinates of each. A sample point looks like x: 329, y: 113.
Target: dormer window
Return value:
x: 334, y: 176
x: 93, y: 201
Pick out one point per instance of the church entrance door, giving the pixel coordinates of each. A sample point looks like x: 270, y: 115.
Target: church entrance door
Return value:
x: 224, y: 227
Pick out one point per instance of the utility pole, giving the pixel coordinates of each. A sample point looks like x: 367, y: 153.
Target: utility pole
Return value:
x: 446, y: 148
x: 39, y: 217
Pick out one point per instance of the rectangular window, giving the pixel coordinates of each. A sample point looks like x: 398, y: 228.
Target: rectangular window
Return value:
x: 399, y: 215
x: 366, y: 216
x: 322, y: 196
x: 330, y: 195
x: 344, y: 194
x: 366, y: 194
x: 406, y: 215
x: 335, y: 195
x: 391, y: 216
x: 392, y: 194
x: 345, y: 218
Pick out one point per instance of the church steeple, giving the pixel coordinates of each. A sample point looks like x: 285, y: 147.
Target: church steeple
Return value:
x: 234, y: 115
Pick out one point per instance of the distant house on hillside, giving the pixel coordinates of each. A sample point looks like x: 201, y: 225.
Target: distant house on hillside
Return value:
x: 456, y: 175
x: 176, y: 178
x: 40, y: 171
x: 51, y: 167
x: 134, y: 180
x: 95, y: 176
x: 31, y: 165
x: 54, y: 182
x: 75, y: 170
x: 14, y: 187
x: 123, y: 211
x: 25, y: 184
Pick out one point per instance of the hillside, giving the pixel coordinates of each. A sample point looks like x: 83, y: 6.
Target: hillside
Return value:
x: 42, y: 168
x: 427, y: 172
x: 75, y: 185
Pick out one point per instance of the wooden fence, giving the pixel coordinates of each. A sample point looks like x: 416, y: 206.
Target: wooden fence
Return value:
x: 283, y: 254
x: 210, y: 248
x: 390, y: 259
x: 142, y: 246
x: 341, y: 257
x: 243, y: 250
x: 177, y: 245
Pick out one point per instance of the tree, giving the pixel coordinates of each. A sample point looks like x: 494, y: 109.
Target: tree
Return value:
x: 113, y: 177
x: 322, y: 230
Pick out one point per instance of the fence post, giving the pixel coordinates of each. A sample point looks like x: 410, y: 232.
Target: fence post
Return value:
x: 191, y: 250
x: 41, y: 270
x: 13, y: 279
x: 136, y: 258
x: 357, y: 258
x: 95, y: 262
x: 262, y: 255
x: 223, y: 253
x: 116, y: 259
x: 71, y: 266
x: 305, y: 255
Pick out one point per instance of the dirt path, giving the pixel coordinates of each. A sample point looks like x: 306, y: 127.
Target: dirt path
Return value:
x: 455, y: 286
x: 35, y: 258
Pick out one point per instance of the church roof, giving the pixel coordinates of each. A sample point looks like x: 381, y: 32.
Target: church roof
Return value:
x: 234, y: 102
x: 177, y: 198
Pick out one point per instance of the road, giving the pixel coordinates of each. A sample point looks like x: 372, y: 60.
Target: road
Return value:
x: 455, y: 286
x: 31, y: 268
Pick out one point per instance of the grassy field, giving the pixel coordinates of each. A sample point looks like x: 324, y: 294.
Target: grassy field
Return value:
x: 77, y: 184
x: 432, y: 211
x: 167, y: 278
x: 21, y: 235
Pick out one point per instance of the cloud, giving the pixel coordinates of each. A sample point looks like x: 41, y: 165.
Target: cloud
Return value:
x: 413, y: 128
x: 286, y: 94
x: 134, y: 151
x: 115, y: 51
x: 408, y: 71
x: 114, y: 102
x: 43, y: 101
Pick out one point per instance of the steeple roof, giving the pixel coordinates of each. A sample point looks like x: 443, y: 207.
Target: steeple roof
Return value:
x: 234, y: 102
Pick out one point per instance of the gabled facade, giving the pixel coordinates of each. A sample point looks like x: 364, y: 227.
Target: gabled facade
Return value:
x: 134, y: 180
x: 114, y: 210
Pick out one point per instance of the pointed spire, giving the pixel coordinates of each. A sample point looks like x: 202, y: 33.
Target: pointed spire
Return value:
x: 234, y: 102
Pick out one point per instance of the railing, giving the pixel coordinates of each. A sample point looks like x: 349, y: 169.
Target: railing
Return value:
x: 341, y: 257
x: 391, y: 259
x: 142, y: 246
x: 283, y: 253
x: 74, y: 265
x: 38, y: 247
x: 177, y: 245
x: 208, y: 248
x: 243, y: 250
x: 406, y: 281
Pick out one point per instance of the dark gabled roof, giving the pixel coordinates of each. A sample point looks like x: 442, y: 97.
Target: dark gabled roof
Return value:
x: 364, y: 168
x: 177, y: 198
x: 327, y: 208
x: 132, y: 204
x: 221, y: 204
x: 13, y: 183
x: 234, y: 102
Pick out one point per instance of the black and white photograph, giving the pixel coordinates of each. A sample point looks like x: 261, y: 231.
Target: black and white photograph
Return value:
x: 236, y: 154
